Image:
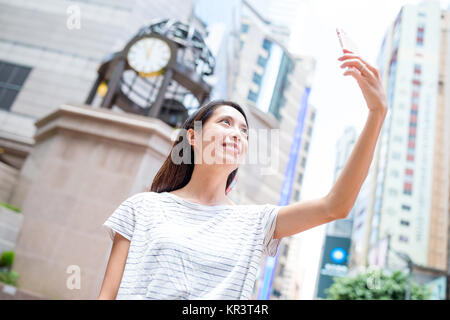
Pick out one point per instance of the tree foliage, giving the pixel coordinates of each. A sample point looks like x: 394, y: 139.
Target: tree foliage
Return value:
x: 376, y: 285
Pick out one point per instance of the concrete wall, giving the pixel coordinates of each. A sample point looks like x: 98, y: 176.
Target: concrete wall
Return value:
x: 85, y: 162
x: 10, y: 225
x: 8, y: 181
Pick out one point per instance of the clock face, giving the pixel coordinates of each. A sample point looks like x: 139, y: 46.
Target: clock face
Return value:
x: 149, y: 56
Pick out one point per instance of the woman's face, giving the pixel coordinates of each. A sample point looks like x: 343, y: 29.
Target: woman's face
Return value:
x: 224, y: 139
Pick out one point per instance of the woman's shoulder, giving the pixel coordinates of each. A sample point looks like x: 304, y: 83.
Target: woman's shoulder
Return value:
x: 142, y: 196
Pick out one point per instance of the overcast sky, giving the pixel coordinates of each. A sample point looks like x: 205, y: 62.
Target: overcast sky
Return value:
x: 338, y: 99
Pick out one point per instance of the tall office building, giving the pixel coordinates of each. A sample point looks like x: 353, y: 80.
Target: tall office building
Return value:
x: 443, y: 126
x: 274, y: 81
x: 281, y: 16
x: 222, y: 20
x: 411, y: 185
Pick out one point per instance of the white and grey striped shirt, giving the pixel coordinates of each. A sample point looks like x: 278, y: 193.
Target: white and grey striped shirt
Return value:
x: 185, y: 250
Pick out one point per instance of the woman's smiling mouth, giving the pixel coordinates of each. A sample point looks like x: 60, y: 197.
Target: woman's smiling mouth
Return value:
x: 231, y: 146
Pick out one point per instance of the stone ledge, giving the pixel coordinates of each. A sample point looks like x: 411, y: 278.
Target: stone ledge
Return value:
x: 8, y: 292
x: 123, y: 127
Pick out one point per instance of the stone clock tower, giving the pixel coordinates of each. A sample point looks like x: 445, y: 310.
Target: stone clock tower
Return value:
x: 159, y: 73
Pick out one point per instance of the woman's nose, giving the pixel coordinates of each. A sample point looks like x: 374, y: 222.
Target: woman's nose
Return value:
x: 236, y: 134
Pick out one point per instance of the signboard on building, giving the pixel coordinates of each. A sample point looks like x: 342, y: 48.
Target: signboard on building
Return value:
x: 334, y: 262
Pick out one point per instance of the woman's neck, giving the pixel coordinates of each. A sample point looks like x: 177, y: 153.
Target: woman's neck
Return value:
x: 206, y: 186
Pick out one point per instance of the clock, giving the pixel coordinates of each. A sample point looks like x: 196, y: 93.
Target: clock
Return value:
x: 148, y: 56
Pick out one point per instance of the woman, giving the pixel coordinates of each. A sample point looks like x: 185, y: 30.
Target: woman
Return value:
x: 184, y: 239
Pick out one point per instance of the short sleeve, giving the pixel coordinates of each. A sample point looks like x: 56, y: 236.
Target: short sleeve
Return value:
x: 122, y: 220
x: 268, y: 222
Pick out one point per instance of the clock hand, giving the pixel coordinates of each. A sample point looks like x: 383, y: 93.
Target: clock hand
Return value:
x: 150, y: 50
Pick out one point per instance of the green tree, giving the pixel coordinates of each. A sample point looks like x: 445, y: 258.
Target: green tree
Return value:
x: 375, y: 285
x: 7, y: 275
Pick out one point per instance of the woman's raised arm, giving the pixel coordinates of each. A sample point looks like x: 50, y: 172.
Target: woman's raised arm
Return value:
x: 303, y: 215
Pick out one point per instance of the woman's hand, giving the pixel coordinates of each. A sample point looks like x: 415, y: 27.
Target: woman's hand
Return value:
x: 368, y: 79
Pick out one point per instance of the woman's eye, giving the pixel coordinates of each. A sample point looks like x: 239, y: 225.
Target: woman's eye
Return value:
x: 226, y: 120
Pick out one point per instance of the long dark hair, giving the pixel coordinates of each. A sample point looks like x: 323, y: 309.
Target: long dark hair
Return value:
x: 172, y: 176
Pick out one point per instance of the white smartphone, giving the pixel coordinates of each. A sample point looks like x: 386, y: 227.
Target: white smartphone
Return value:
x: 345, y: 41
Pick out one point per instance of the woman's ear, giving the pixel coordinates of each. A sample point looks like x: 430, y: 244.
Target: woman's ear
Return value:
x: 190, y: 136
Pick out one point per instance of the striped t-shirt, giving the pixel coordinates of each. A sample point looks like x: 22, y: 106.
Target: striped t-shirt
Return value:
x: 185, y: 250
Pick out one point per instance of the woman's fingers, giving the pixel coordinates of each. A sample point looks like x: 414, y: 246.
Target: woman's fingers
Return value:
x: 368, y: 78
x: 352, y: 71
x: 358, y: 65
x: 353, y: 56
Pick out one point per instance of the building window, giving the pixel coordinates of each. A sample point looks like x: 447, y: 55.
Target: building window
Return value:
x: 417, y: 69
x: 404, y: 223
x: 392, y: 192
x: 409, y: 172
x: 266, y: 44
x: 313, y: 115
x: 411, y: 150
x: 395, y: 155
x: 285, y: 250
x: 403, y: 238
x: 300, y: 178
x: 297, y: 195
x: 281, y: 272
x: 420, y: 32
x: 244, y: 28
x: 419, y: 41
x: 406, y: 207
x: 407, y: 192
x: 252, y: 96
x: 257, y: 78
x: 309, y: 131
x: 12, y: 78
x: 262, y: 62
x: 276, y: 293
x: 306, y: 145
x: 303, y: 164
